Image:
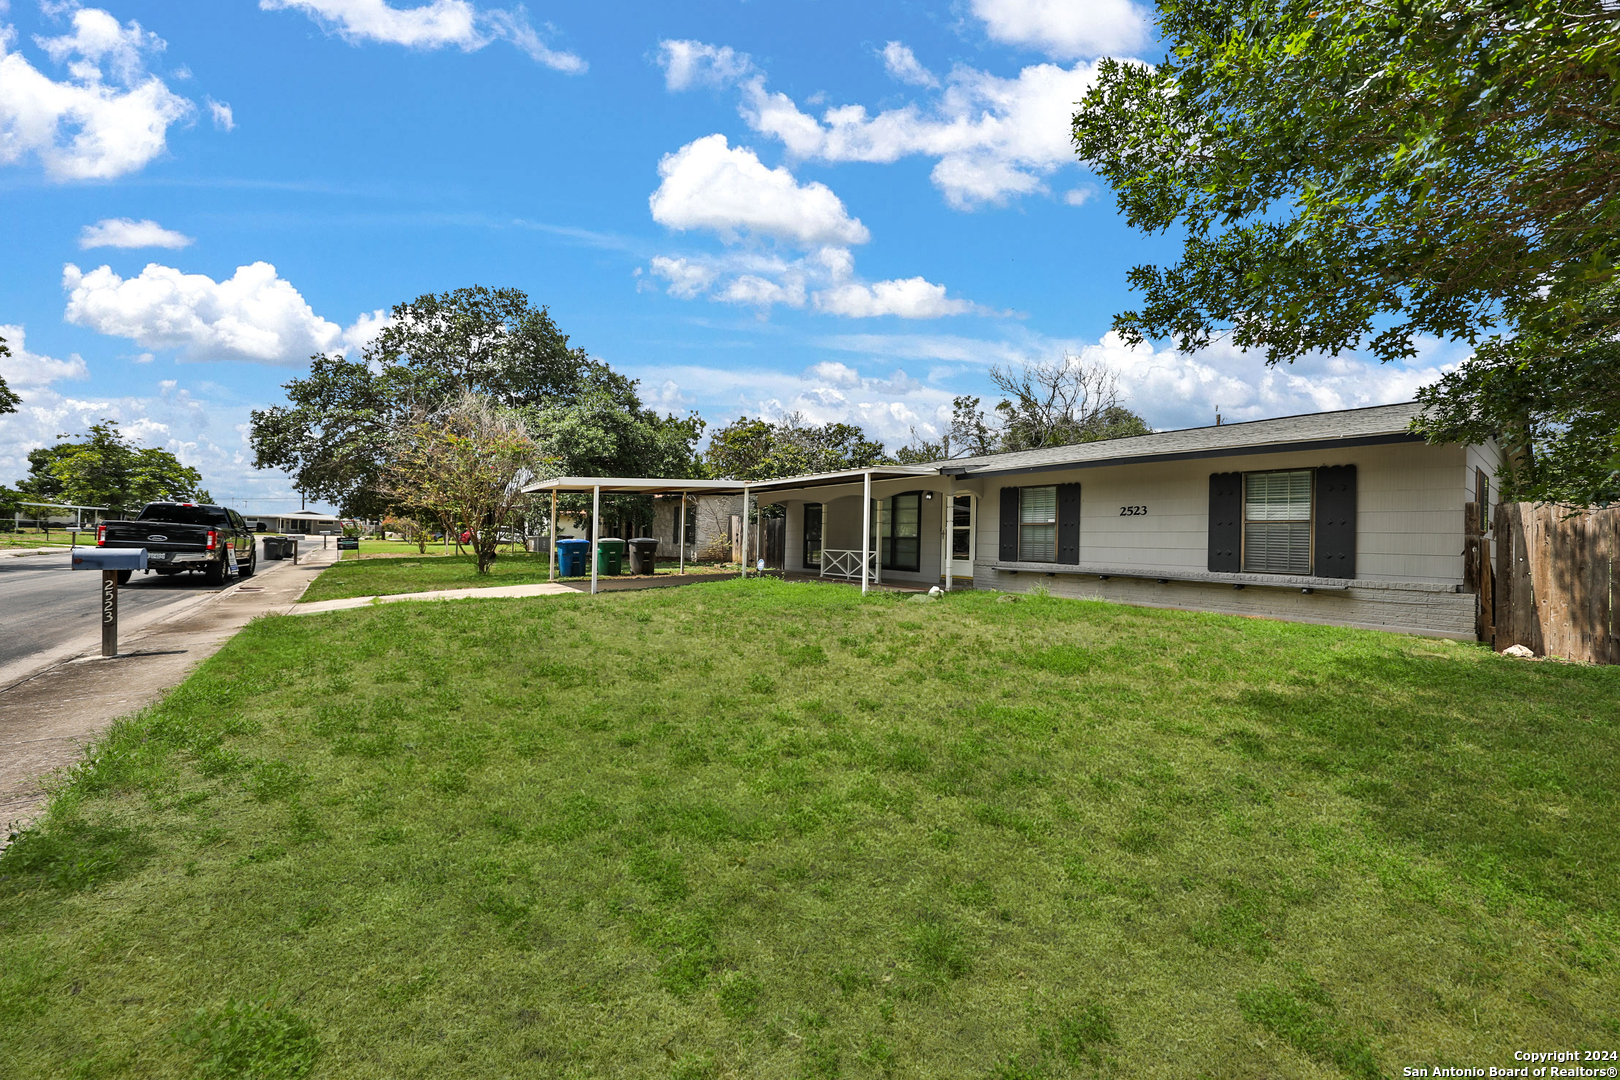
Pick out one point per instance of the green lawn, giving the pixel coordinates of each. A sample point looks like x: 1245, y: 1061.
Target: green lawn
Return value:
x: 56, y: 538
x: 779, y: 830
x: 390, y: 576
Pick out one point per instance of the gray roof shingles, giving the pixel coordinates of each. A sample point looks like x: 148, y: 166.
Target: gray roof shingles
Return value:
x: 1341, y: 424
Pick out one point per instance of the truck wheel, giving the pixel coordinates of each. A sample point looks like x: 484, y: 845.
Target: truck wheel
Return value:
x: 123, y: 576
x: 214, y: 573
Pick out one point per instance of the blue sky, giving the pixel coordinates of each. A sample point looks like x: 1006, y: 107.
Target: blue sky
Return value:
x: 849, y: 209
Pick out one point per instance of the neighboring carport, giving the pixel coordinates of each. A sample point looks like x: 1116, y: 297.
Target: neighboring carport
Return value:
x: 624, y: 485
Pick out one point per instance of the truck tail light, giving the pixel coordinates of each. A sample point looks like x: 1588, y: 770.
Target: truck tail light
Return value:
x: 101, y: 536
x: 213, y: 540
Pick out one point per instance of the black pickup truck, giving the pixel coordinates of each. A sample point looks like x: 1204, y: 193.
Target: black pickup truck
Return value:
x: 182, y: 537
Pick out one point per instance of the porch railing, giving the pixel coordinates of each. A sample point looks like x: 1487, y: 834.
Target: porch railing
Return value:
x: 837, y: 562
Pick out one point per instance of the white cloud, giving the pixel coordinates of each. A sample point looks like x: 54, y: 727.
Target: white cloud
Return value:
x: 127, y: 233
x: 434, y: 25
x: 993, y: 138
x: 207, y: 434
x: 1066, y: 29
x: 909, y: 298
x: 1172, y: 389
x: 224, y: 119
x: 23, y: 370
x: 692, y: 63
x: 901, y: 64
x: 687, y: 278
x: 886, y: 406
x: 1079, y: 196
x: 709, y: 185
x: 107, y: 119
x: 253, y: 315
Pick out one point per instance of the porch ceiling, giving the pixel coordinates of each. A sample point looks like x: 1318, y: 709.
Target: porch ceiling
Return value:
x: 846, y: 476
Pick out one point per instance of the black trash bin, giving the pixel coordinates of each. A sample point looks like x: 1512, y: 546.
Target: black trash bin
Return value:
x: 643, y: 555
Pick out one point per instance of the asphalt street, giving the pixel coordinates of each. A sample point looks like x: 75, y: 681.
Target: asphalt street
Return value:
x: 45, y: 605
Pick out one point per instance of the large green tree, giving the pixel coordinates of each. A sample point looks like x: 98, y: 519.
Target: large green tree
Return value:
x: 1354, y: 175
x: 334, y: 434
x: 8, y: 397
x: 104, y: 468
x: 759, y: 449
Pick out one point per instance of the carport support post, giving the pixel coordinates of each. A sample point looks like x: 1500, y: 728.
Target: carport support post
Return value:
x: 947, y: 530
x: 551, y: 557
x: 109, y: 613
x: 680, y: 532
x: 866, y: 532
x: 596, y: 531
x: 745, y: 533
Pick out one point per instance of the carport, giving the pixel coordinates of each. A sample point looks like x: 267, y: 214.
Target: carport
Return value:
x: 626, y: 485
x: 864, y: 559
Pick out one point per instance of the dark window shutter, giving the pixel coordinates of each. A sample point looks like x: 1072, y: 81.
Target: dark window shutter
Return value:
x: 1068, y: 536
x: 1225, y: 522
x: 1336, y: 522
x: 1009, y: 524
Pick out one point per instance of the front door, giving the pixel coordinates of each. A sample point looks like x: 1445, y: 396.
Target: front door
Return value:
x: 963, y: 543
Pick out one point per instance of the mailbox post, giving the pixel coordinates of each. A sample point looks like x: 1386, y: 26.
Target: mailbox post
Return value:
x: 110, y: 561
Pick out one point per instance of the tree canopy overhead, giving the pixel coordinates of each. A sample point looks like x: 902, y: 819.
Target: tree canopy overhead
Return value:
x: 1356, y: 174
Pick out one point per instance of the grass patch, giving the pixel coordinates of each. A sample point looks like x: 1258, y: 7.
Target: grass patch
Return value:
x: 769, y: 829
x: 389, y: 575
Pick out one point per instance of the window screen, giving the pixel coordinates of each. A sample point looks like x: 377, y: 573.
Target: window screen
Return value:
x: 1277, y: 522
x: 1037, y: 524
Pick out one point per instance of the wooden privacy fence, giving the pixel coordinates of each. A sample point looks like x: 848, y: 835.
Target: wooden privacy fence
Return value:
x: 1556, y: 581
x: 767, y: 537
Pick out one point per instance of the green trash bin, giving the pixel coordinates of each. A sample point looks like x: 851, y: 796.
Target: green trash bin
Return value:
x: 610, y: 556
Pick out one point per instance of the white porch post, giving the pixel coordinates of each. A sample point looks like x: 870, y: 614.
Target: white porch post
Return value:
x: 866, y: 532
x: 948, y: 530
x: 745, y: 533
x: 878, y: 546
x: 551, y: 558
x: 596, y: 531
x: 680, y: 532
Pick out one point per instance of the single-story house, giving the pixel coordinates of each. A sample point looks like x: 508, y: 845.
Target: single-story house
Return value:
x: 1341, y: 517
x: 299, y: 522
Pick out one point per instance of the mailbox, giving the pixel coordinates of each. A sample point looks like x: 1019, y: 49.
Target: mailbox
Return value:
x: 109, y: 558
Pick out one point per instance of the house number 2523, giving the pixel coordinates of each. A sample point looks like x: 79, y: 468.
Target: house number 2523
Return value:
x: 1132, y: 511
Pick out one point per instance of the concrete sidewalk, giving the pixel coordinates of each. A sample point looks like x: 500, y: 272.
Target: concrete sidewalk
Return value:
x: 48, y: 718
x: 498, y: 592
x: 63, y: 548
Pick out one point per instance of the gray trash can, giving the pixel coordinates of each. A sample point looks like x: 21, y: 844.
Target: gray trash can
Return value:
x: 643, y: 555
x: 273, y: 550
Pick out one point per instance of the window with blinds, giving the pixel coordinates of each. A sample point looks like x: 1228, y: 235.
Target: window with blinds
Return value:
x: 1037, y: 524
x: 1277, y: 522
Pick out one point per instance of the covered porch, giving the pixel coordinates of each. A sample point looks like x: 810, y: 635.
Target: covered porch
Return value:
x: 907, y: 526
x: 888, y: 525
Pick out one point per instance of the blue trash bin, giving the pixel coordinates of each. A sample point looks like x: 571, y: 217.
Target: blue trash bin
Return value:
x: 574, y: 558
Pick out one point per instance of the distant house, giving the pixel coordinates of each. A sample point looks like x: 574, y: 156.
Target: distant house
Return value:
x: 300, y: 522
x: 1336, y: 517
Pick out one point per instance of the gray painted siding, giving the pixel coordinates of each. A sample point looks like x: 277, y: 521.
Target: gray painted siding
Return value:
x: 1409, y: 511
